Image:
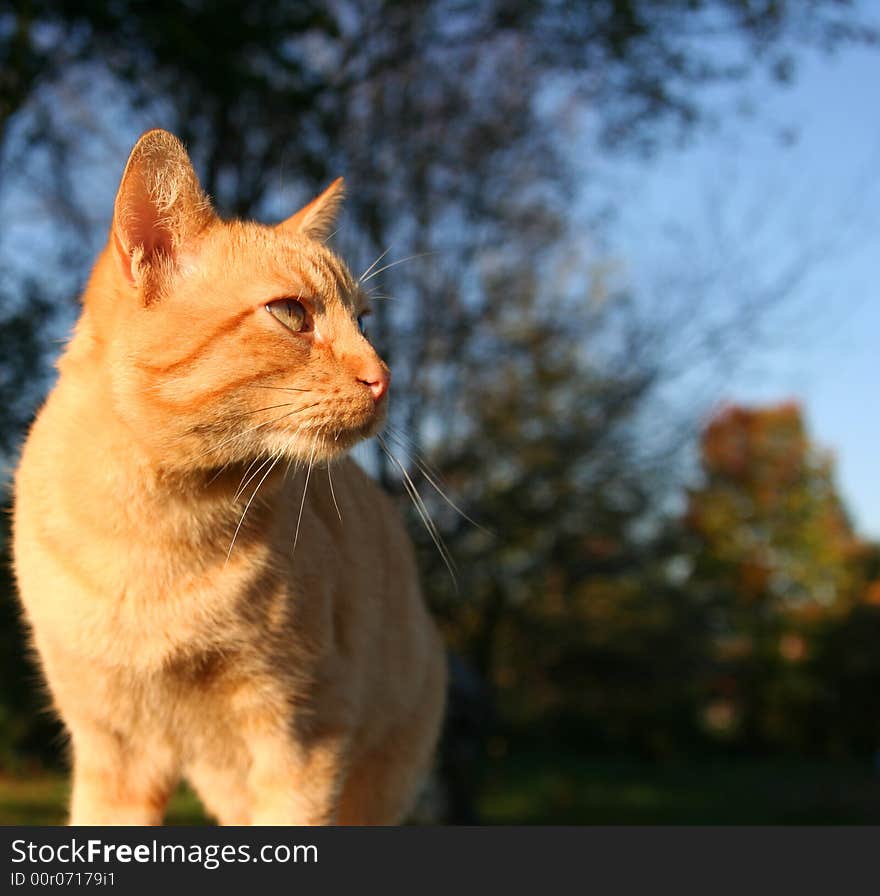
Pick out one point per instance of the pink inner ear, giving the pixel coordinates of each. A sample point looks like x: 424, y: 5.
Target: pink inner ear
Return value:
x: 139, y: 226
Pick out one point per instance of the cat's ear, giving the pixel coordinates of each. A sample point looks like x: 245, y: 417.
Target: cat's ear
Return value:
x: 317, y: 219
x: 160, y: 207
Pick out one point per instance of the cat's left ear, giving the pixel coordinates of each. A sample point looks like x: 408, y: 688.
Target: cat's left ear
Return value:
x: 317, y: 219
x: 160, y: 209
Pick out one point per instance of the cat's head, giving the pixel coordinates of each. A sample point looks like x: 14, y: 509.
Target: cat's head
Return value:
x: 224, y: 340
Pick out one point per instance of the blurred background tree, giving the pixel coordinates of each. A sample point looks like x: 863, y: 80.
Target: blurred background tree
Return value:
x: 536, y: 379
x: 775, y: 560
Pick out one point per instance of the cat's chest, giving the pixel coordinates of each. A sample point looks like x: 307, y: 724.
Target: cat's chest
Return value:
x: 144, y: 580
x: 144, y: 608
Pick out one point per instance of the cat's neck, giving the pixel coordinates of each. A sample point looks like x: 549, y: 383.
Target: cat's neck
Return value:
x: 115, y: 459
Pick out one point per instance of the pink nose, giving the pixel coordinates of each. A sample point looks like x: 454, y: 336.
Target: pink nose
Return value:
x: 377, y: 384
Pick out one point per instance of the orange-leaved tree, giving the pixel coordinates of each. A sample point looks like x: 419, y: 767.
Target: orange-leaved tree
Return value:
x: 776, y: 558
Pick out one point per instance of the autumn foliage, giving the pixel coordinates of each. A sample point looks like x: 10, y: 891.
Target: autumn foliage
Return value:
x: 786, y: 580
x: 770, y: 524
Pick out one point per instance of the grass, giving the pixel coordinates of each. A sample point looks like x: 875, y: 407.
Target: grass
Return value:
x: 570, y: 789
x: 42, y: 799
x: 565, y: 788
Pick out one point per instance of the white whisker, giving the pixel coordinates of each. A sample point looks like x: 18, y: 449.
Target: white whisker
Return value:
x: 305, y: 489
x: 247, y: 507
x: 429, y: 474
x: 422, y: 510
x: 278, y: 388
x: 239, y: 435
x: 332, y: 492
x: 394, y: 264
x: 245, y: 482
x: 271, y: 407
x: 370, y: 268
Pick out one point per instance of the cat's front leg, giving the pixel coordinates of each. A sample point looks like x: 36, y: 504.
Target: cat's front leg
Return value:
x: 292, y: 784
x: 116, y: 780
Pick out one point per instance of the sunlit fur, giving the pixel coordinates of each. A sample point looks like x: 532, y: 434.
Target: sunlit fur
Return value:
x: 196, y: 609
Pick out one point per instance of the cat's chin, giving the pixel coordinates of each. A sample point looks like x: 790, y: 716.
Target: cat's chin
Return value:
x: 346, y: 440
x: 323, y: 446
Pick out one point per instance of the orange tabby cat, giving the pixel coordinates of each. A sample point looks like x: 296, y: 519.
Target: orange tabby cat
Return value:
x: 202, y: 604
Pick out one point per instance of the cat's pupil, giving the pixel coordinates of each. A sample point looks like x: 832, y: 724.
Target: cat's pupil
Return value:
x: 295, y: 314
x: 290, y: 312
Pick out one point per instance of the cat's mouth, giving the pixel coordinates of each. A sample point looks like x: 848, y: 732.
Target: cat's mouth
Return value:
x: 347, y: 438
x: 328, y: 440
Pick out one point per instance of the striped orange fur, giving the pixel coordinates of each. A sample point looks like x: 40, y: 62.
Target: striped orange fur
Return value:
x: 213, y: 589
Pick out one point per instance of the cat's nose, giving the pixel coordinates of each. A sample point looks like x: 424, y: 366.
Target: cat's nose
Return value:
x: 377, y: 381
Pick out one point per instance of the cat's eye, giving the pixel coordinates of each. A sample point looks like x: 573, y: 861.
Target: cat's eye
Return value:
x: 291, y: 313
x: 362, y: 324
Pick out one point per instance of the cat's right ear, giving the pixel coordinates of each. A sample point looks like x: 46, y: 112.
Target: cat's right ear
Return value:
x: 317, y: 219
x: 160, y: 208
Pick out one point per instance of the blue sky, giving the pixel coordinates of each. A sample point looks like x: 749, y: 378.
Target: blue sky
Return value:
x: 820, y: 191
